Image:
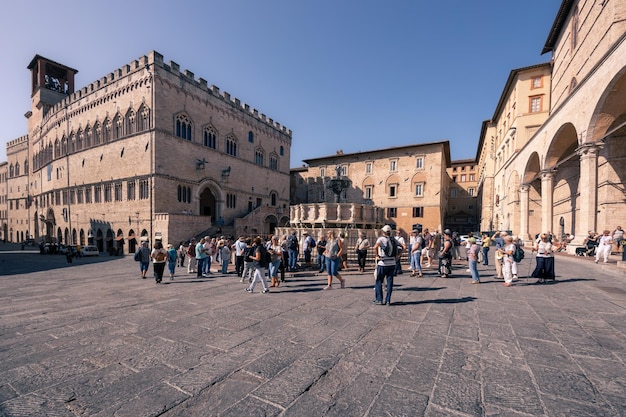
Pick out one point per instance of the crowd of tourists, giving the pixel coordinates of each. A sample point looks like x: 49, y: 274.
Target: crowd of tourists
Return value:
x: 255, y: 258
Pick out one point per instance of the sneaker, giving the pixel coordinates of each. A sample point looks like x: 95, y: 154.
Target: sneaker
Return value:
x: 265, y: 291
x: 474, y: 282
x: 328, y: 287
x: 343, y: 283
x: 596, y: 261
x: 249, y: 290
x: 514, y: 276
x: 379, y: 303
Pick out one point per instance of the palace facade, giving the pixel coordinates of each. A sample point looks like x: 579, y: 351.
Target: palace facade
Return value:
x: 553, y: 156
x: 147, y: 151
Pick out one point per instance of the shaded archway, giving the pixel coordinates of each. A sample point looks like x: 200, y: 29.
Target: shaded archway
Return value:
x: 100, y: 241
x: 532, y: 180
x: 564, y: 162
x: 269, y: 224
x: 208, y: 203
x: 608, y: 130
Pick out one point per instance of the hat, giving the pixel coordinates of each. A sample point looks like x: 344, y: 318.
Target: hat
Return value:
x: 386, y: 228
x: 305, y: 233
x: 472, y: 240
x: 447, y: 232
x: 169, y: 246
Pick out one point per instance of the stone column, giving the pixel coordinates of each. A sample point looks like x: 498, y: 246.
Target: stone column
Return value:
x: 547, y: 186
x: 588, y: 186
x: 523, y: 221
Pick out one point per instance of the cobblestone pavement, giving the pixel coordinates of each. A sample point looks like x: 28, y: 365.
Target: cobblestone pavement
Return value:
x: 93, y: 339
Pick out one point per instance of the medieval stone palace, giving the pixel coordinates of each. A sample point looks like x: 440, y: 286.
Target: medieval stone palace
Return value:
x: 146, y: 151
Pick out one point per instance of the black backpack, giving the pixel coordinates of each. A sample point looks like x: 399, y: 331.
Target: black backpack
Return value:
x: 518, y: 254
x: 391, y: 249
x: 293, y: 242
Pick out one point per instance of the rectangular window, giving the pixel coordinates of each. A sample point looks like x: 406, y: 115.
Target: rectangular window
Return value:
x: 322, y: 172
x: 97, y: 194
x: 344, y: 170
x: 79, y: 195
x: 72, y: 196
x: 453, y: 193
x: 118, y: 191
x: 472, y: 177
x: 88, y: 195
x: 418, y: 211
x: 471, y: 191
x: 369, y: 190
x: 130, y: 192
x: 535, y: 104
x: 393, y: 190
x: 322, y: 196
x: 393, y: 165
x: 419, y: 189
x: 392, y: 212
x: 144, y: 190
x: 536, y: 82
x: 463, y: 177
x: 64, y: 194
x: 368, y: 168
x: 107, y: 193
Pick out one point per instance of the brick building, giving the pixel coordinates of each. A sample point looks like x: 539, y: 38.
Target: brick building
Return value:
x: 146, y: 151
x: 401, y: 186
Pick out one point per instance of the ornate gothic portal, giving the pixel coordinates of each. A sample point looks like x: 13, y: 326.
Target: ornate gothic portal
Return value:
x: 207, y: 204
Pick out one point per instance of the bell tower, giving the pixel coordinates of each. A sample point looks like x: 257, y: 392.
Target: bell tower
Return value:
x: 51, y: 82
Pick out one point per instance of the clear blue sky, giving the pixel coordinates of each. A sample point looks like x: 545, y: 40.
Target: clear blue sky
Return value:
x: 350, y: 75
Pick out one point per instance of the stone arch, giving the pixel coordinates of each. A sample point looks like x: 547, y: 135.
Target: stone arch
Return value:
x: 562, y: 147
x: 607, y: 129
x: 269, y: 224
x: 532, y: 179
x: 210, y: 199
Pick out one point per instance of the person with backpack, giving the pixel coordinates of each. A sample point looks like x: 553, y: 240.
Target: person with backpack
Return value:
x: 172, y: 257
x: 386, y: 249
x: 159, y: 258
x: 293, y: 250
x: 259, y: 262
x: 143, y: 257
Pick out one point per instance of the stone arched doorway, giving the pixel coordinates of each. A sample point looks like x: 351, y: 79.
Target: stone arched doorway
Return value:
x: 208, y: 203
x: 100, y: 241
x: 269, y: 225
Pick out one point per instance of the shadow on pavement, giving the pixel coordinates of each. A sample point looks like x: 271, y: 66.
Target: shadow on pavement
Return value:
x: 24, y: 263
x: 440, y: 301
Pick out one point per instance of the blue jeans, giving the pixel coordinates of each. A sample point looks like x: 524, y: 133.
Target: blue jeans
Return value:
x: 321, y: 261
x: 332, y: 266
x: 293, y: 259
x: 200, y: 268
x: 485, y: 258
x: 416, y: 261
x: 206, y: 268
x: 383, y: 272
x: 473, y: 267
x: 273, y: 268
